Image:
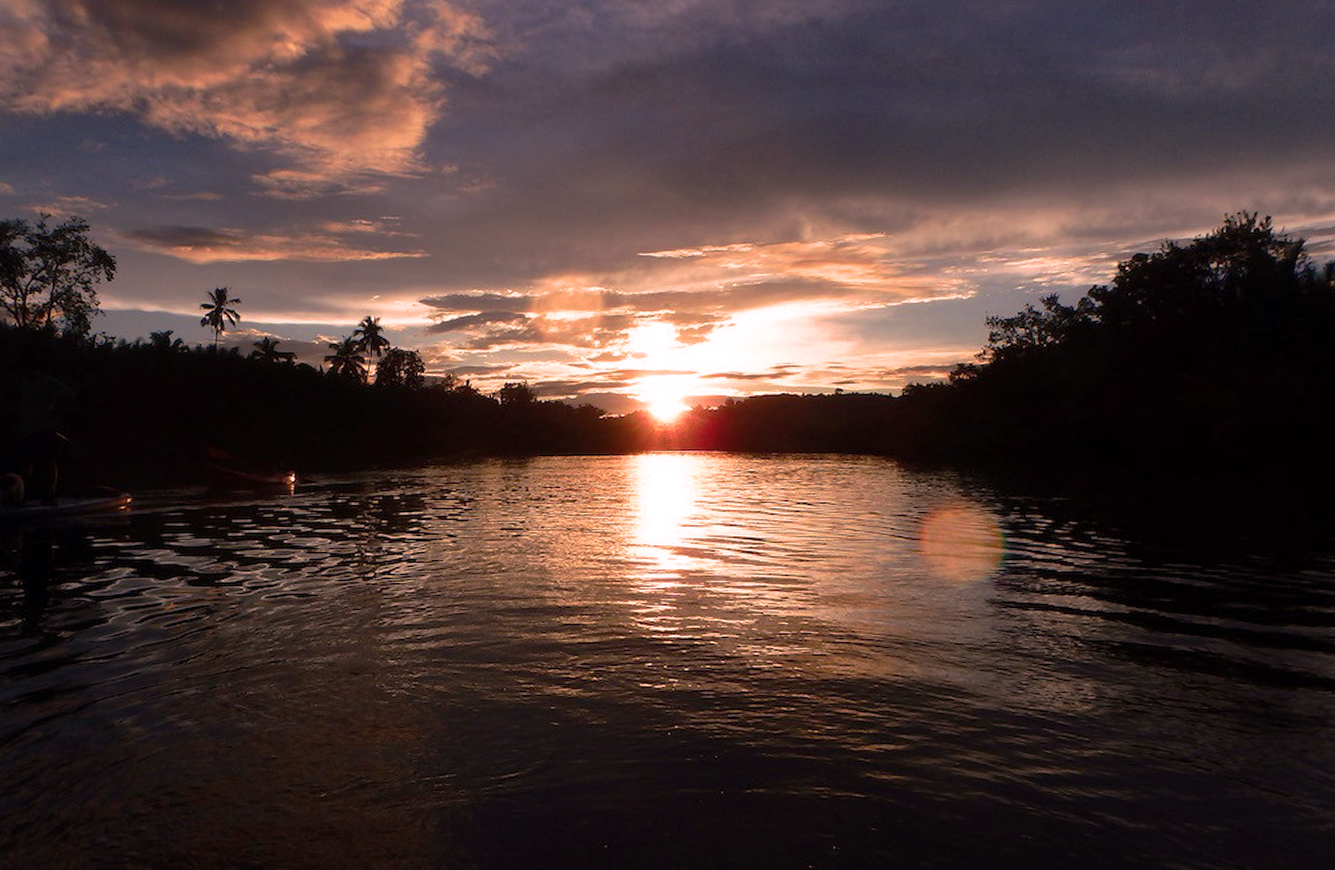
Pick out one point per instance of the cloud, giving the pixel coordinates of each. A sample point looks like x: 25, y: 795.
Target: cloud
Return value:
x: 337, y: 87
x: 478, y: 302
x: 309, y: 352
x: 722, y: 279
x: 684, y: 310
x: 598, y: 331
x: 704, y: 127
x: 68, y: 205
x: 203, y: 245
x: 484, y: 318
x: 930, y: 371
x: 569, y: 389
x: 196, y: 196
x: 468, y: 371
x: 709, y: 286
x: 772, y: 373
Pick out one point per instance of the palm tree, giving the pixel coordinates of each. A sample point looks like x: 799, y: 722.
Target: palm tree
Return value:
x: 267, y: 350
x: 370, y: 336
x: 220, y: 315
x: 346, y: 360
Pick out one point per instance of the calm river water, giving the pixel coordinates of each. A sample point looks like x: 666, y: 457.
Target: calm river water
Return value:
x: 664, y: 660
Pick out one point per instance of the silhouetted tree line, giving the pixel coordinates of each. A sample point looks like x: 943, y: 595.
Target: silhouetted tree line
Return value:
x: 147, y: 412
x: 1215, y: 356
x: 840, y: 423
x: 1212, y: 356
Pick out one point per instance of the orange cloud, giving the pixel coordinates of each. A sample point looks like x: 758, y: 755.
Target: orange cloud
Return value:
x: 339, y: 87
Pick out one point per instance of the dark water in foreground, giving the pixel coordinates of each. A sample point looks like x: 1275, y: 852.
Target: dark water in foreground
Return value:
x: 655, y: 661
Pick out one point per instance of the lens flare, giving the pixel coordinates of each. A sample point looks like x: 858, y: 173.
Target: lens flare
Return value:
x: 961, y: 541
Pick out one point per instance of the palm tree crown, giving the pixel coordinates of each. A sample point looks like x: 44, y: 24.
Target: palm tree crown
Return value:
x: 220, y: 314
x: 346, y: 361
x: 370, y: 336
x: 266, y: 349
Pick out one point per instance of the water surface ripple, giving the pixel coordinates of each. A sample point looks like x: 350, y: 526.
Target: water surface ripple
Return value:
x: 666, y: 660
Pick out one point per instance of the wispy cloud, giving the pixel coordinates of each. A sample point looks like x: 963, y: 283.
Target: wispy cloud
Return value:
x: 204, y: 245
x: 68, y: 205
x: 710, y: 285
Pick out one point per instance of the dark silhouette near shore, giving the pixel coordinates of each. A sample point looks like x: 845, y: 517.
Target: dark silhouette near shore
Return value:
x: 30, y: 449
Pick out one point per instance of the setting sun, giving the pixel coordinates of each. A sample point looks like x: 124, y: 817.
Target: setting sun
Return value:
x: 667, y: 410
x: 664, y: 396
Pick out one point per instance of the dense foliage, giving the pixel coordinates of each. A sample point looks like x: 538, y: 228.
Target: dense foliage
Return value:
x: 152, y: 412
x: 1217, y: 355
x: 49, y: 275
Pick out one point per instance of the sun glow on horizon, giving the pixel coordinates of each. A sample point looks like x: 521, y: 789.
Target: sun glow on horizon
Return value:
x: 772, y: 343
x: 655, y: 345
x: 664, y: 396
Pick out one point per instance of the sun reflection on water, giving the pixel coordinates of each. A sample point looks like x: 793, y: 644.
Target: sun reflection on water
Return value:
x: 666, y: 491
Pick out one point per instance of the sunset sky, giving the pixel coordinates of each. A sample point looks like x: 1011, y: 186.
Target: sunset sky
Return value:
x: 619, y: 200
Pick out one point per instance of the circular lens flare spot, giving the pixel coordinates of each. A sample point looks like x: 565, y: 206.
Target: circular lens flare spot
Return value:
x: 961, y: 541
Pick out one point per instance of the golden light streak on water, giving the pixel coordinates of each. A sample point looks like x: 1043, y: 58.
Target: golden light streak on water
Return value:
x: 666, y: 491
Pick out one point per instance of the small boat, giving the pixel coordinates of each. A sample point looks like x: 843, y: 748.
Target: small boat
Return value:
x: 66, y: 507
x: 221, y: 477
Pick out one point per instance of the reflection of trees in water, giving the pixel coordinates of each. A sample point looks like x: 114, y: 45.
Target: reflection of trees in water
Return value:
x: 1217, y: 608
x: 41, y: 569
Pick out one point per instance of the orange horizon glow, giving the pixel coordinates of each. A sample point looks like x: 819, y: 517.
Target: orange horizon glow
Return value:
x: 664, y: 396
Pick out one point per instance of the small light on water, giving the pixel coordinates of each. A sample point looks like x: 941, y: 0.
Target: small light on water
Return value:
x: 961, y: 541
